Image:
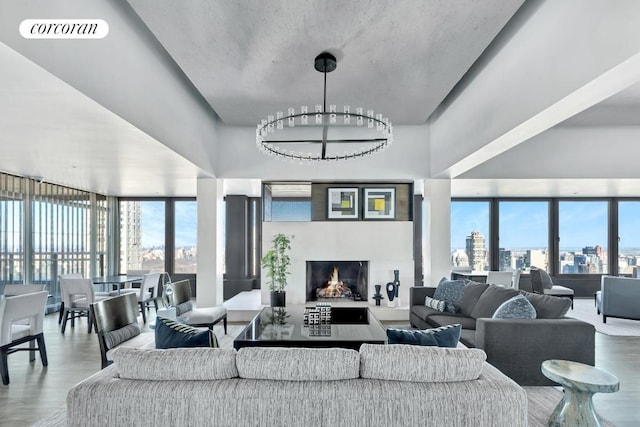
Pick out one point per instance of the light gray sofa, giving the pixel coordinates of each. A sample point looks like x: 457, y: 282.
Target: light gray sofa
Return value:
x: 381, y: 385
x: 618, y: 297
x: 517, y: 347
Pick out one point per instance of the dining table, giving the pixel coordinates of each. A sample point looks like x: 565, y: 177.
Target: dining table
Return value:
x: 118, y: 281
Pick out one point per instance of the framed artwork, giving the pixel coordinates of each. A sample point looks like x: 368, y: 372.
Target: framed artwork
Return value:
x: 379, y: 203
x: 342, y: 203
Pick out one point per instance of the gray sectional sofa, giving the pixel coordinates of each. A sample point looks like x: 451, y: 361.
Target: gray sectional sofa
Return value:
x: 517, y: 347
x: 381, y: 385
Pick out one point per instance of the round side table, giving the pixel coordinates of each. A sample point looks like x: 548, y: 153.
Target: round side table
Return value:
x: 580, y: 383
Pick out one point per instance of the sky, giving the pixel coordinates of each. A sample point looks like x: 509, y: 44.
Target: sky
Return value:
x: 153, y: 219
x: 525, y: 224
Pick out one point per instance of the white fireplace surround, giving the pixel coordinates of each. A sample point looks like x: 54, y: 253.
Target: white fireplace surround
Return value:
x: 387, y: 246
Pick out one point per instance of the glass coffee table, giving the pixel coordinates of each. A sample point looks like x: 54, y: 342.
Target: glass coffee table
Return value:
x: 349, y: 327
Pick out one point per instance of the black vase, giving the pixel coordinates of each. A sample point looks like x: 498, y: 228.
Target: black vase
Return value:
x: 396, y: 281
x: 278, y: 298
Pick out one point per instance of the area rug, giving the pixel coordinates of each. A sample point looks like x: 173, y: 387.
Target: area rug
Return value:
x: 585, y: 310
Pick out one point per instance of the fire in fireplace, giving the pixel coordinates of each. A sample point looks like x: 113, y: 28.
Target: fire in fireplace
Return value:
x: 331, y: 280
x: 335, y: 288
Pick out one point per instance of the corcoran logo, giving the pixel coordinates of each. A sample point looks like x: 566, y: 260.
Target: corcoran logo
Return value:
x: 64, y: 28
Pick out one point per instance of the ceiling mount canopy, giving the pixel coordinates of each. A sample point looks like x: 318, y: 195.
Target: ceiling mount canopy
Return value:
x: 375, y: 133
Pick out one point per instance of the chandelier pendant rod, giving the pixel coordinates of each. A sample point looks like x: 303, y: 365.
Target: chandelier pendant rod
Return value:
x: 325, y: 125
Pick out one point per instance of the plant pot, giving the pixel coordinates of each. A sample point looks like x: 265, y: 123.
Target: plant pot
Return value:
x: 278, y: 298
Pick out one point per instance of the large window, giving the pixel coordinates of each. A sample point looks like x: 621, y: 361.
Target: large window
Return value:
x: 47, y: 230
x: 142, y: 236
x: 583, y: 231
x: 159, y: 235
x: 470, y: 235
x: 186, y: 236
x: 524, y: 235
x: 629, y: 236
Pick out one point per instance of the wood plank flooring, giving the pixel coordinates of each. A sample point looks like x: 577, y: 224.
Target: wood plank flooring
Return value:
x: 34, y: 391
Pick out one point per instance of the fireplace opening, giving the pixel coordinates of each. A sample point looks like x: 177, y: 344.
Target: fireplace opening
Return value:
x: 337, y: 280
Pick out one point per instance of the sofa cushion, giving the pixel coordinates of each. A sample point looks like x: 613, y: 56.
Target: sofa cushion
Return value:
x: 491, y: 299
x: 423, y: 312
x: 548, y: 307
x: 171, y: 334
x: 428, y: 364
x: 176, y: 364
x: 450, y: 291
x: 471, y: 295
x: 450, y: 319
x: 434, y: 303
x: 298, y: 364
x: 444, y: 336
x: 517, y: 307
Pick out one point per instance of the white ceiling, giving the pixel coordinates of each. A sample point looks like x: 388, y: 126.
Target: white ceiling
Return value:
x: 171, y: 93
x: 399, y: 58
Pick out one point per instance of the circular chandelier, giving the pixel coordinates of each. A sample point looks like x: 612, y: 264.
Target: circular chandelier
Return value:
x: 379, y: 130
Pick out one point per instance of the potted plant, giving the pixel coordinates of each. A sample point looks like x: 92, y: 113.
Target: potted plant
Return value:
x: 277, y: 263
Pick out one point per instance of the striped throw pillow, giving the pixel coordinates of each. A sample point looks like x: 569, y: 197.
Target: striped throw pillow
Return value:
x: 434, y: 303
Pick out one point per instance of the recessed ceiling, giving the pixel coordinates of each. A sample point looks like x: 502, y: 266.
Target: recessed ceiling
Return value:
x: 250, y: 59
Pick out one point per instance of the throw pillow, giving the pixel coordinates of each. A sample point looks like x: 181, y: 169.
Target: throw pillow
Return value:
x: 176, y: 364
x: 434, y: 303
x: 183, y: 308
x: 171, y: 334
x: 118, y: 336
x: 428, y: 364
x: 471, y: 295
x: 450, y: 291
x: 491, y: 299
x: 517, y: 307
x: 298, y: 364
x: 444, y: 336
x: 547, y: 306
x: 547, y: 283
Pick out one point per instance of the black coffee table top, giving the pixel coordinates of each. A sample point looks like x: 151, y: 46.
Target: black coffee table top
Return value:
x: 350, y: 327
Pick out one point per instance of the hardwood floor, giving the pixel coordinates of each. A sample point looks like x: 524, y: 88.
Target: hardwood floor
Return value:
x: 35, y: 392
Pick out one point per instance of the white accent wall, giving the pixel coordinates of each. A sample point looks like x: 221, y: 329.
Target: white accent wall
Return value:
x: 387, y: 246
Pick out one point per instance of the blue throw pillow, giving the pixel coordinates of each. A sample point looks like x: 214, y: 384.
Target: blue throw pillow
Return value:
x: 171, y: 334
x: 451, y: 292
x: 444, y: 336
x: 517, y: 307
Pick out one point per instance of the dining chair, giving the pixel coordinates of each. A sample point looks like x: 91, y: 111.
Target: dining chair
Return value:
x: 137, y: 284
x: 146, y: 294
x: 77, y: 296
x: 13, y: 290
x: 14, y: 331
x: 501, y: 278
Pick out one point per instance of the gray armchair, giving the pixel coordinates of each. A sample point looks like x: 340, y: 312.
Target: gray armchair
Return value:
x: 618, y: 297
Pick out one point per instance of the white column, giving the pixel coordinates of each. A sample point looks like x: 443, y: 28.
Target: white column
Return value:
x: 210, y: 242
x: 437, y: 230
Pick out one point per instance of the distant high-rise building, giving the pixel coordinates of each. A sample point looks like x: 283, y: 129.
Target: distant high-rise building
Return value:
x: 459, y: 258
x: 507, y: 260
x: 536, y: 258
x: 130, y: 236
x: 476, y: 251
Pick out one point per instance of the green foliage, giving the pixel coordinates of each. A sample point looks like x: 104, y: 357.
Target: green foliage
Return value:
x: 277, y: 262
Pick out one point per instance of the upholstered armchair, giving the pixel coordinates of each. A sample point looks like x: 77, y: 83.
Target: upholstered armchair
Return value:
x: 542, y: 284
x: 179, y: 296
x: 618, y: 297
x: 21, y: 321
